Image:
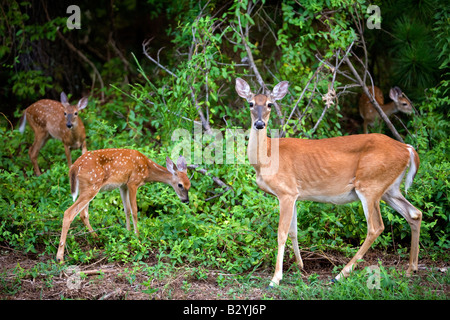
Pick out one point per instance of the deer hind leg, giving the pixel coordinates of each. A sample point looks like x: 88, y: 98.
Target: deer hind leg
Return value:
x: 413, y: 216
x: 69, y: 215
x: 84, y: 215
x: 132, y: 191
x: 293, y: 236
x: 284, y: 226
x: 375, y: 226
x: 124, y: 194
x: 40, y: 138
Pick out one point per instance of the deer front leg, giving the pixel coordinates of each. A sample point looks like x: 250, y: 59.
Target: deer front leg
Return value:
x: 286, y: 213
x: 68, y: 156
x: 83, y: 147
x: 365, y: 124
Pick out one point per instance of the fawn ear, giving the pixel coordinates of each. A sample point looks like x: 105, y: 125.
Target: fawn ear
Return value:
x: 243, y: 89
x: 171, y: 167
x: 64, y: 99
x: 181, y: 164
x: 279, y: 91
x: 82, y: 103
x: 395, y: 93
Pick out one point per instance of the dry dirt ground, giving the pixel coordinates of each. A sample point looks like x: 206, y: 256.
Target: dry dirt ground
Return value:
x: 103, y: 281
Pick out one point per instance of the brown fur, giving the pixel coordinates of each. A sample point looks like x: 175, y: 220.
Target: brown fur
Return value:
x: 370, y: 114
x: 48, y: 119
x: 108, y: 169
x: 366, y: 168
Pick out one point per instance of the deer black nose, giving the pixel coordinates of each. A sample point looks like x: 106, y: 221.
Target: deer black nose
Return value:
x: 259, y: 124
x: 69, y: 125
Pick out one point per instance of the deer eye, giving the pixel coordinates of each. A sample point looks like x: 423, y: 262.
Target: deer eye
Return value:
x: 251, y: 104
x: 270, y: 105
x: 75, y: 113
x: 180, y: 186
x: 65, y: 113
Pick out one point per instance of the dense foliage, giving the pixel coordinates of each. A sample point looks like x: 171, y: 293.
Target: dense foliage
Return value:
x: 191, y: 83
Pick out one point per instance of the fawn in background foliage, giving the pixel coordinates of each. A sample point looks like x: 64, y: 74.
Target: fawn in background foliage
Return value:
x: 368, y: 112
x: 54, y: 119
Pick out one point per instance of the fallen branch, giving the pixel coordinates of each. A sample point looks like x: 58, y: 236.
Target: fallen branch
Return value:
x: 115, y: 292
x: 97, y: 271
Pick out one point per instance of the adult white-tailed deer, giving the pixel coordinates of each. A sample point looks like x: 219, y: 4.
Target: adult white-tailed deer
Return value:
x: 50, y: 118
x: 366, y: 167
x: 368, y: 112
x: 108, y: 169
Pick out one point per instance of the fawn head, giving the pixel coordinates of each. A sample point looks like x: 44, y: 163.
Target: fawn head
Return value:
x: 180, y: 181
x: 71, y: 111
x: 402, y: 103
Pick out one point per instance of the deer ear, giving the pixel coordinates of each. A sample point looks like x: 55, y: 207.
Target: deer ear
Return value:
x: 64, y: 99
x: 279, y: 91
x: 82, y: 103
x: 395, y: 93
x: 181, y: 164
x: 243, y: 89
x: 170, y: 166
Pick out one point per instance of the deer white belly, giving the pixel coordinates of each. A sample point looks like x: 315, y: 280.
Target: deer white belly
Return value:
x: 342, y: 198
x: 111, y: 186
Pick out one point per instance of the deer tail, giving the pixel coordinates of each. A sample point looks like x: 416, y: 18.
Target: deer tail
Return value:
x: 73, y: 177
x: 23, y: 122
x: 413, y: 167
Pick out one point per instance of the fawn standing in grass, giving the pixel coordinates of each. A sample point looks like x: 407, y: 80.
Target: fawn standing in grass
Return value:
x: 50, y: 118
x: 108, y: 169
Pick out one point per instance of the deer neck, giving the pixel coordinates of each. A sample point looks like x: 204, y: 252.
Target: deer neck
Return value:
x: 390, y: 108
x: 258, y: 149
x: 73, y: 137
x: 157, y: 173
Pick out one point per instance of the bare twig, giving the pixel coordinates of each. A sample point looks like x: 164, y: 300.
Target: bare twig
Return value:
x: 204, y: 120
x: 215, y: 179
x: 331, y: 96
x: 301, y: 97
x: 80, y: 54
x: 12, y: 127
x: 144, y: 47
x: 244, y: 37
